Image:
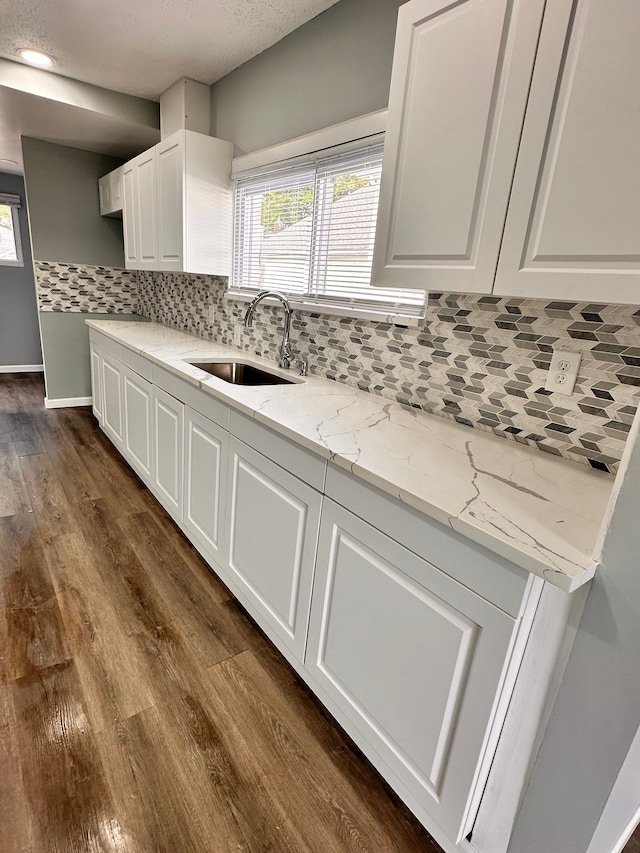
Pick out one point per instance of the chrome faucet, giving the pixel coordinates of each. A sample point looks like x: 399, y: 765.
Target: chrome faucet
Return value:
x: 284, y: 360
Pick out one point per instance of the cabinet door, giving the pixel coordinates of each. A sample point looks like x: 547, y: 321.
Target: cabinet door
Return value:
x: 166, y: 482
x: 273, y: 526
x: 205, y: 452
x: 104, y: 195
x: 572, y: 229
x: 96, y: 384
x: 410, y: 662
x: 137, y: 435
x: 170, y: 177
x: 115, y: 190
x: 461, y: 75
x: 146, y: 209
x: 130, y: 216
x: 112, y: 414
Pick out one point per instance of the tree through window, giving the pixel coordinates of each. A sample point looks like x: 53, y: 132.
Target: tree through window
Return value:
x: 10, y: 247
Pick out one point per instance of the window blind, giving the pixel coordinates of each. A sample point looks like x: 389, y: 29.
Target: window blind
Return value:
x: 308, y: 231
x: 10, y: 199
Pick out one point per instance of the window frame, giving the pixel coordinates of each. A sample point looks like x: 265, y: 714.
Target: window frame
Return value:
x: 14, y: 208
x: 359, y: 134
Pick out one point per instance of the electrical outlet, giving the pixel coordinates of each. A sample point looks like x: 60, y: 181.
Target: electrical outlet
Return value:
x: 237, y: 336
x: 563, y: 371
x: 212, y: 314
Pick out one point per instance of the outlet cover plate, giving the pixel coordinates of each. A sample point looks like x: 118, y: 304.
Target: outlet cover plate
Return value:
x: 563, y: 371
x: 237, y: 336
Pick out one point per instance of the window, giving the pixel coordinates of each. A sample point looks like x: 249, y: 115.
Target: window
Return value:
x: 308, y: 230
x: 10, y: 246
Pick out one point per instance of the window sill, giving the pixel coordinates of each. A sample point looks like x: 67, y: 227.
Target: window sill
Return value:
x: 352, y: 312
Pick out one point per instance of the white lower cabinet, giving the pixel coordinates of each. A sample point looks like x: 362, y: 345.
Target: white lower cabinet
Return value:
x: 273, y: 520
x: 137, y: 434
x: 409, y: 661
x: 440, y: 675
x: 205, y: 457
x: 167, y: 436
x: 112, y: 409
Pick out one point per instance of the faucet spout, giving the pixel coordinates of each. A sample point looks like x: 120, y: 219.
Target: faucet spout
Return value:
x: 284, y: 360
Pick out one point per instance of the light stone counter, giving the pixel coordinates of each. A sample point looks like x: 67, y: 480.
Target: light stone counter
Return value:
x: 540, y: 512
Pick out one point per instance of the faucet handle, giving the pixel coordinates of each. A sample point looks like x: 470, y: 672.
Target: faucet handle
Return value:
x: 303, y: 363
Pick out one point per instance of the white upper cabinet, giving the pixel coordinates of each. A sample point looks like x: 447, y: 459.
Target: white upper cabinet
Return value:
x: 146, y: 208
x: 461, y: 75
x: 139, y: 213
x: 512, y: 163
x: 572, y: 228
x: 194, y: 203
x: 110, y: 193
x: 177, y: 206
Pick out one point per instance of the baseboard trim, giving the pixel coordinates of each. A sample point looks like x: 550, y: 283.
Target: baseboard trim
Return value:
x: 66, y: 402
x: 21, y: 368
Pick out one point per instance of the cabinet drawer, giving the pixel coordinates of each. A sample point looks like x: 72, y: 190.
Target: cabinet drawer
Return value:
x: 191, y: 395
x: 491, y: 576
x: 301, y: 462
x: 136, y: 362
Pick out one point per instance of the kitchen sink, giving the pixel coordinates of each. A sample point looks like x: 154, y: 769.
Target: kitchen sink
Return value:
x: 241, y: 373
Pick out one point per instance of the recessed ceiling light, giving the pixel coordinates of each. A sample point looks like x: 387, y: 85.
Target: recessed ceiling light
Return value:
x: 35, y: 57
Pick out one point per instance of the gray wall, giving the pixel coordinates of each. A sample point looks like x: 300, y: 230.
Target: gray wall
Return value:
x: 336, y: 67
x: 597, y: 713
x: 62, y: 190
x: 68, y: 366
x: 19, y: 336
x: 66, y: 226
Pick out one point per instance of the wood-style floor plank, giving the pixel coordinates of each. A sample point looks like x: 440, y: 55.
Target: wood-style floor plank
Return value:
x: 13, y: 492
x: 50, y: 504
x: 32, y: 635
x: 210, y: 630
x: 232, y: 813
x: 141, y: 710
x: 15, y: 824
x: 111, y: 672
x: 71, y: 809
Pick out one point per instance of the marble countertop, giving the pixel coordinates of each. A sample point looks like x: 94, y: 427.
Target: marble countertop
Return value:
x: 540, y: 512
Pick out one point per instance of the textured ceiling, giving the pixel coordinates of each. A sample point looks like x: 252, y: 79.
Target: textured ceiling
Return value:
x: 142, y: 46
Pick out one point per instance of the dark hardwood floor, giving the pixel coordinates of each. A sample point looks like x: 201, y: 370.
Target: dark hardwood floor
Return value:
x: 140, y: 709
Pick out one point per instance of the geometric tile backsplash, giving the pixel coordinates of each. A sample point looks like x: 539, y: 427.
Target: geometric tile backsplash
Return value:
x: 86, y: 289
x: 480, y: 360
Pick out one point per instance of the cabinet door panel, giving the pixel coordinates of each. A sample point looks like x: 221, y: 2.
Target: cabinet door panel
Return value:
x: 112, y: 419
x: 147, y: 209
x: 411, y: 661
x: 168, y: 420
x: 204, y: 473
x: 130, y: 216
x: 170, y: 174
x: 273, y: 527
x: 461, y: 74
x: 572, y: 229
x: 96, y: 384
x: 137, y: 423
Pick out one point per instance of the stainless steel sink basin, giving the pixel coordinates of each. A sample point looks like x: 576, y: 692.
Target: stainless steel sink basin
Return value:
x: 239, y: 373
